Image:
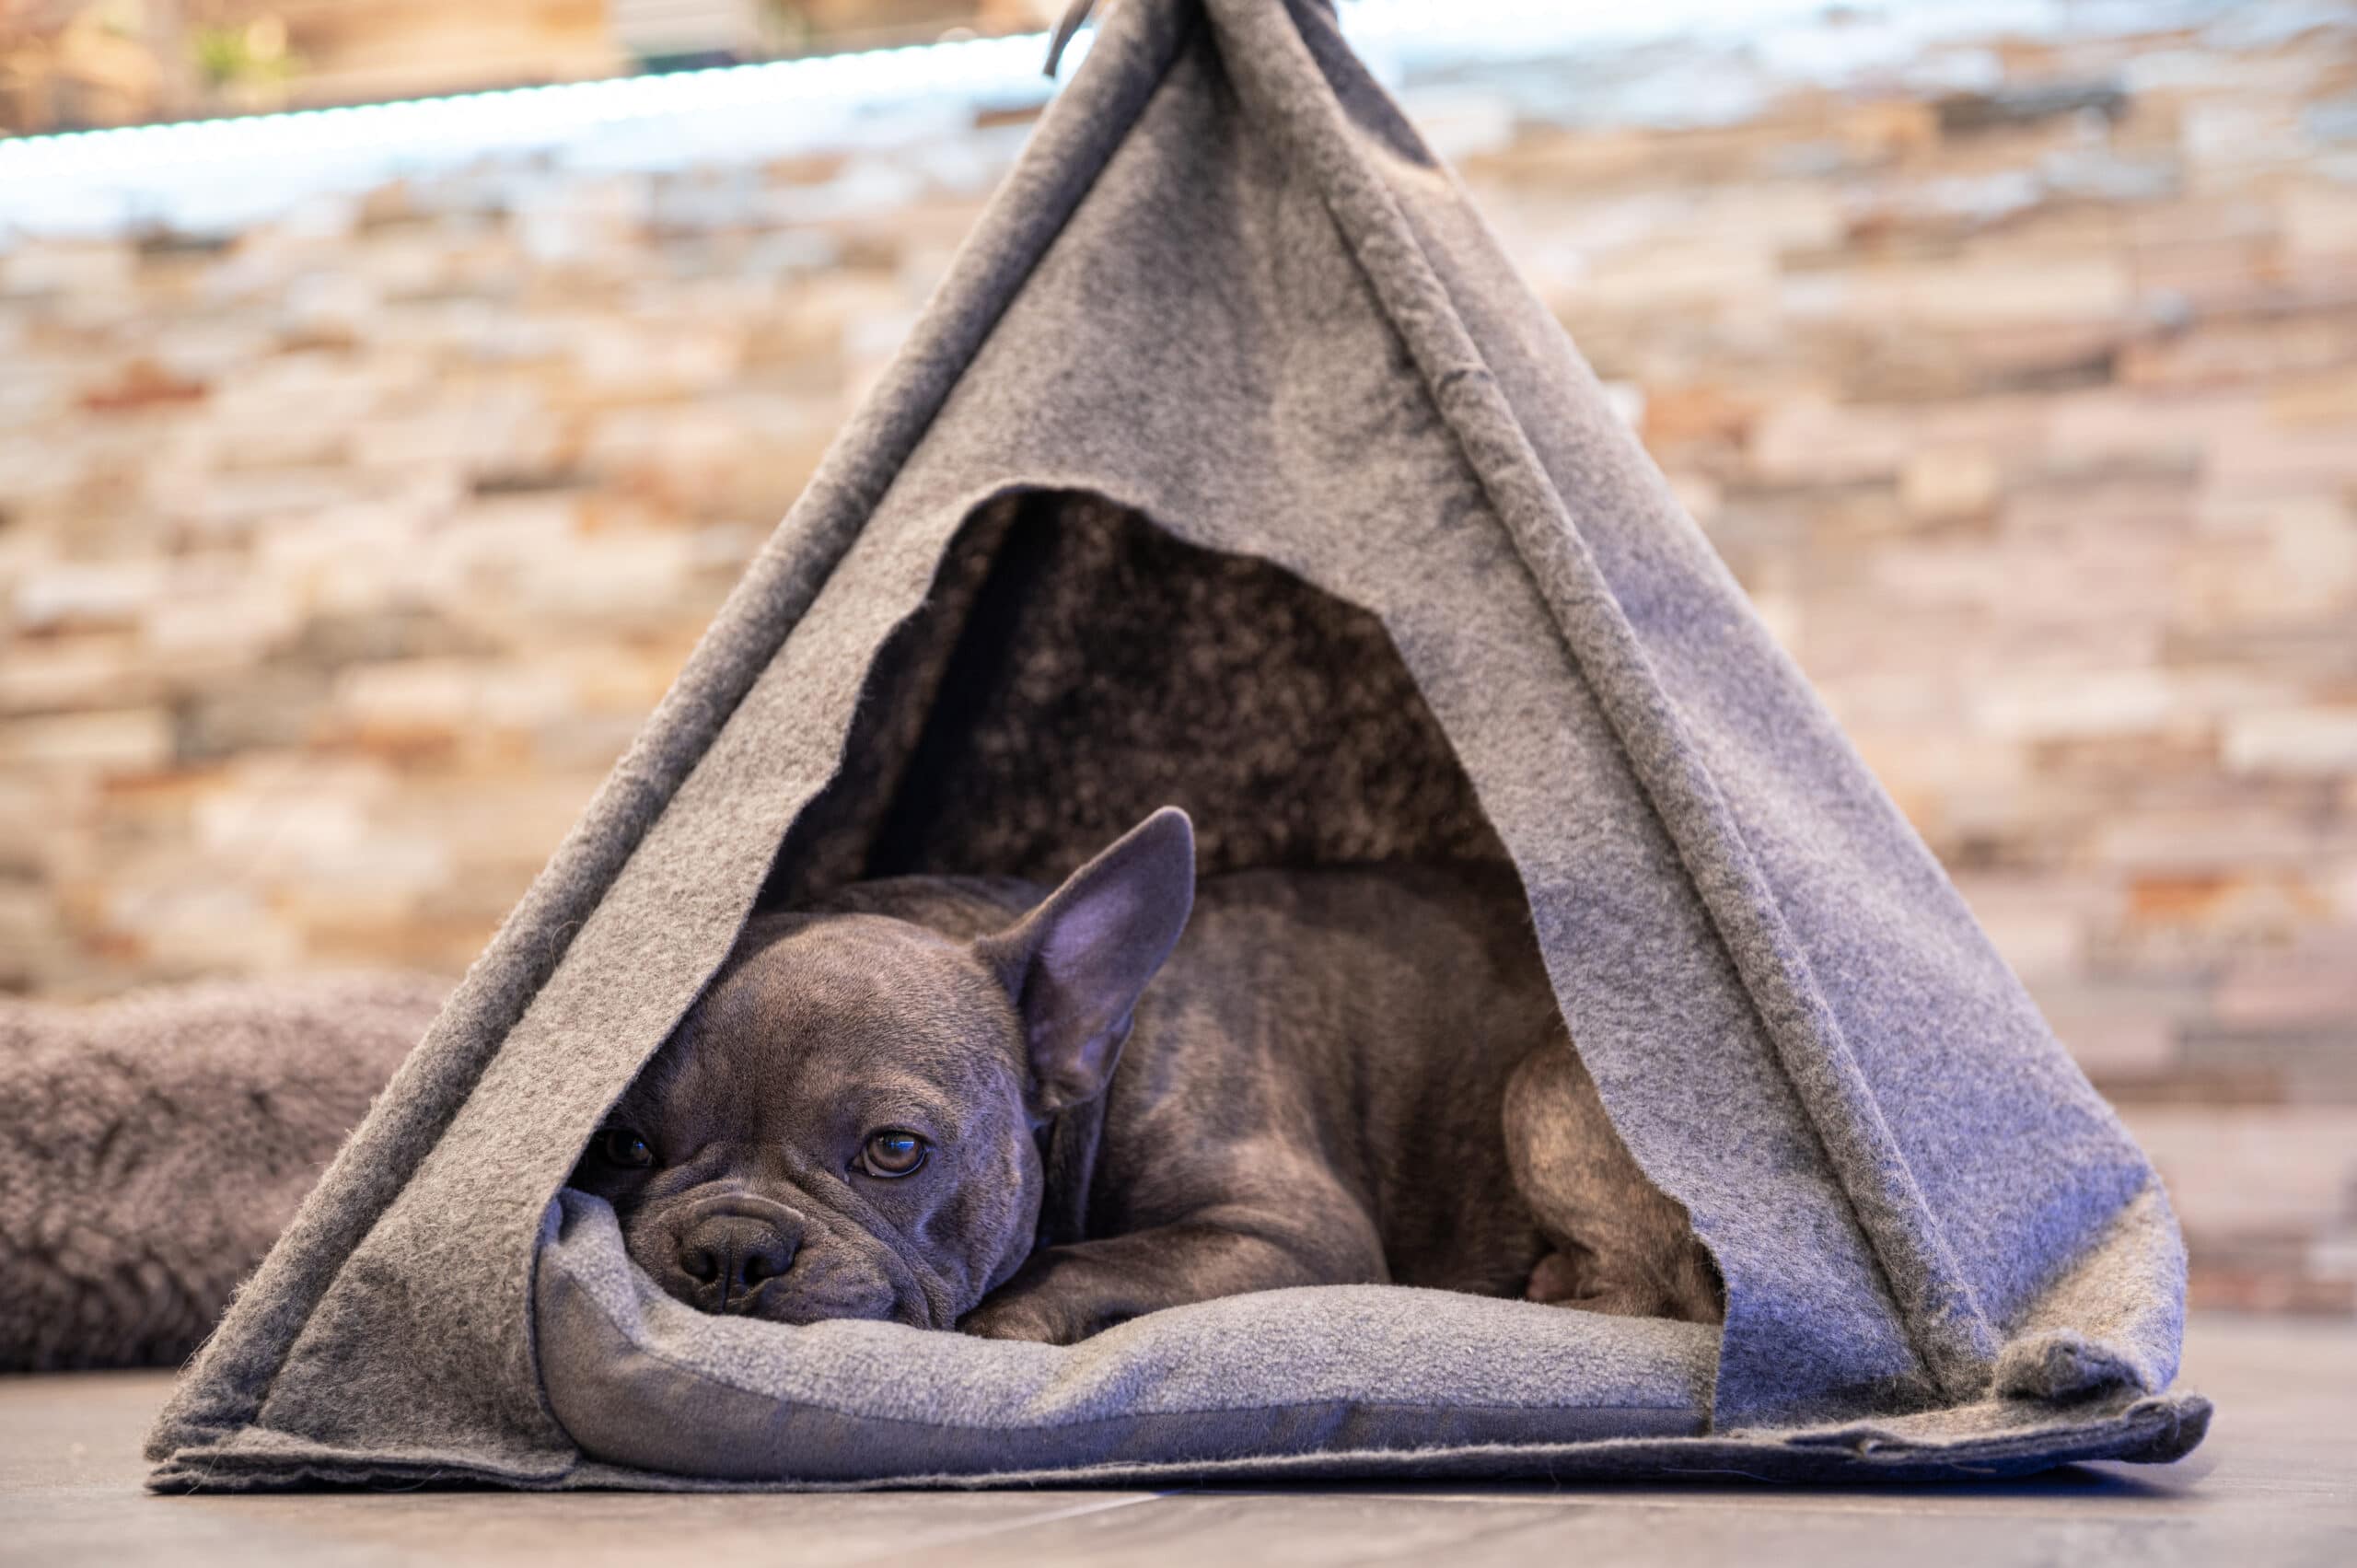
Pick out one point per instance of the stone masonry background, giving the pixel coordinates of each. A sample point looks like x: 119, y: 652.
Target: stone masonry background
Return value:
x: 340, y: 556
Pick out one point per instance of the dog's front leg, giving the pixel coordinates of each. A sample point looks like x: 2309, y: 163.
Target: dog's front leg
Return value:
x: 1068, y: 1292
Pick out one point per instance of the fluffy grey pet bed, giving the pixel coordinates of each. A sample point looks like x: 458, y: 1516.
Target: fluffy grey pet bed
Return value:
x: 1234, y: 468
x: 157, y: 1146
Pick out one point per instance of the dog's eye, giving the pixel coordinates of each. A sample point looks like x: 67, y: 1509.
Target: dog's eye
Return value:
x: 621, y: 1146
x: 892, y: 1152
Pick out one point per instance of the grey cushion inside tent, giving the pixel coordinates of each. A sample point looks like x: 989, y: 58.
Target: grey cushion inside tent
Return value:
x: 1343, y: 1381
x: 637, y: 1378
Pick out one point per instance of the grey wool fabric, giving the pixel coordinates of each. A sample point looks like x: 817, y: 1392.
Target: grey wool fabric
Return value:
x: 158, y: 1142
x: 1233, y: 468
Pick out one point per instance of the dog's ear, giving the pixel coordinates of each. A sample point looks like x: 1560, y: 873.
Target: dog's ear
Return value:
x: 1077, y: 964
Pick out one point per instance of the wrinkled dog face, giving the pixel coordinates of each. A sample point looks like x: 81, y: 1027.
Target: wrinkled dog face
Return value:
x: 846, y: 1125
x: 840, y: 1130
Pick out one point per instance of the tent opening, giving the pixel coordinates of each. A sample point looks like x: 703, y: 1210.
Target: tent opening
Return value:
x: 1076, y: 667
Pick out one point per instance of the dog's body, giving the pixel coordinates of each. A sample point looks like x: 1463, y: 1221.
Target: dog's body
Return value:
x: 1337, y: 1077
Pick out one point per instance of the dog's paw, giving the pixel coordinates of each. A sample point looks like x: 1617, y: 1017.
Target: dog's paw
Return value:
x: 1557, y: 1279
x: 1018, y: 1317
x: 1586, y: 1284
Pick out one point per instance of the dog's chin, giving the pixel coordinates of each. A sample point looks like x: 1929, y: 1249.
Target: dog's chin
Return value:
x: 878, y: 1303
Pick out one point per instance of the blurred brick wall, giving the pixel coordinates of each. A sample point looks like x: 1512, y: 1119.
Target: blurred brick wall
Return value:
x: 338, y: 560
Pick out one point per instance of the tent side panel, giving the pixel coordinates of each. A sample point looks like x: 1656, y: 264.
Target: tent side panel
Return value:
x: 224, y: 1386
x: 1926, y: 1068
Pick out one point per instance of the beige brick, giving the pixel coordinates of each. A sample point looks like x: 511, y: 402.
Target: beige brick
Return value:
x: 28, y: 929
x: 450, y: 696
x: 90, y: 671
x: 228, y: 623
x: 2314, y: 986
x: 1681, y: 274
x: 2241, y: 1169
x: 2092, y: 704
x: 1989, y: 291
x: 2320, y: 223
x: 1809, y: 439
x: 65, y: 594
x: 2202, y: 836
x: 188, y: 928
x: 68, y: 267
x: 623, y: 574
x: 1947, y: 484
x: 119, y: 740
x: 2283, y: 559
x: 2316, y: 740
x: 2117, y: 1043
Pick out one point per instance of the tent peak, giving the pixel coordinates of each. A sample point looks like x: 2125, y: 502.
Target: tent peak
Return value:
x: 1076, y: 15
x: 1069, y: 23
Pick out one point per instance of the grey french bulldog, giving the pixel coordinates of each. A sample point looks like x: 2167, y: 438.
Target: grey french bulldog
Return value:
x: 950, y: 1102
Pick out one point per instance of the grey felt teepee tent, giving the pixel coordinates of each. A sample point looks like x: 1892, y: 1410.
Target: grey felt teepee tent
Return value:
x: 1234, y: 467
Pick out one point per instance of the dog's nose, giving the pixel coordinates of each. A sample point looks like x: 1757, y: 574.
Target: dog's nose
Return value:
x: 730, y: 1255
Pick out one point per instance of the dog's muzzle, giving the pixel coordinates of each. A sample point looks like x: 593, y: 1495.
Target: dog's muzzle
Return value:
x: 732, y: 1244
